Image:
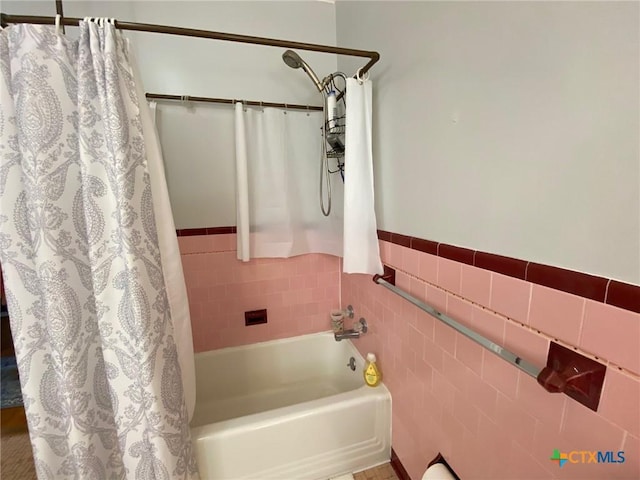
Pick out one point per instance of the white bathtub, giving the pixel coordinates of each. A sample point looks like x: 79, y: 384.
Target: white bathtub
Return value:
x: 288, y: 409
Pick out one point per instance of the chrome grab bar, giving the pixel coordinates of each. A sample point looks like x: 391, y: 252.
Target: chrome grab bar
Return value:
x: 498, y: 350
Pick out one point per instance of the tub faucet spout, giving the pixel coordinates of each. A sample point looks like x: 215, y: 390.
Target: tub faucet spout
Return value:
x: 351, y: 333
x: 359, y: 328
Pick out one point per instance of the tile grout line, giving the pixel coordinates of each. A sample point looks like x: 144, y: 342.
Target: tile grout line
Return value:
x: 563, y: 414
x: 582, y: 315
x: 529, y: 302
x: 606, y: 292
x: 624, y: 439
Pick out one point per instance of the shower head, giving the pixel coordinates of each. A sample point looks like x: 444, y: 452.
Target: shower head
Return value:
x: 293, y: 60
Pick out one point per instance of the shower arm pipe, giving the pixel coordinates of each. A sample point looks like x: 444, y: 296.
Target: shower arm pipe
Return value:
x: 229, y: 101
x: 496, y: 349
x: 7, y: 19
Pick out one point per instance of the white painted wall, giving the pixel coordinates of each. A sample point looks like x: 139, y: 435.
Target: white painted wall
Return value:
x: 198, y: 143
x: 508, y: 127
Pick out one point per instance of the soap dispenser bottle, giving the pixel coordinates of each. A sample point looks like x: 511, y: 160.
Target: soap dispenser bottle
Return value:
x: 372, y: 375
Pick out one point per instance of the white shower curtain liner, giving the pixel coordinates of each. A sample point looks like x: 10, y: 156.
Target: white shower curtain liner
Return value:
x: 282, y: 154
x: 242, y: 188
x: 361, y: 248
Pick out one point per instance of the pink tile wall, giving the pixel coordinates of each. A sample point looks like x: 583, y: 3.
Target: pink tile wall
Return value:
x: 297, y: 292
x: 487, y: 418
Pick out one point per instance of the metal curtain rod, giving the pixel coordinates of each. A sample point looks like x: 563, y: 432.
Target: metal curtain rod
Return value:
x: 503, y: 353
x: 6, y: 19
x: 181, y: 98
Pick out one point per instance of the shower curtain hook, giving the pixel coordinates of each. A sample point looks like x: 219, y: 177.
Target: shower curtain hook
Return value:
x: 285, y: 108
x: 58, y: 17
x: 361, y: 78
x: 188, y: 103
x: 308, y: 110
x: 261, y: 106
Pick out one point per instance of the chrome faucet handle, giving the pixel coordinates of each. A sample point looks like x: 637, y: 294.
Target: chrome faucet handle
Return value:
x: 361, y: 326
x: 348, y: 312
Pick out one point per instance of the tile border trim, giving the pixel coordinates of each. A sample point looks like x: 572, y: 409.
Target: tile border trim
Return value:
x: 600, y: 289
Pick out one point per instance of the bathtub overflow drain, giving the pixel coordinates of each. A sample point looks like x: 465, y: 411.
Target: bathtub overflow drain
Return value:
x: 352, y: 364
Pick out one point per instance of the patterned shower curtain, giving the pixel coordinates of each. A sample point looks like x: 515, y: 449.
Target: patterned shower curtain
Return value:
x: 89, y: 311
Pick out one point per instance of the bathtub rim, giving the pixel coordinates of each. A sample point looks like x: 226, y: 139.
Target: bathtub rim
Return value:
x: 281, y: 341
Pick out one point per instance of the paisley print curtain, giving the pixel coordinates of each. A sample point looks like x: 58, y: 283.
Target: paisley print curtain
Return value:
x: 83, y: 274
